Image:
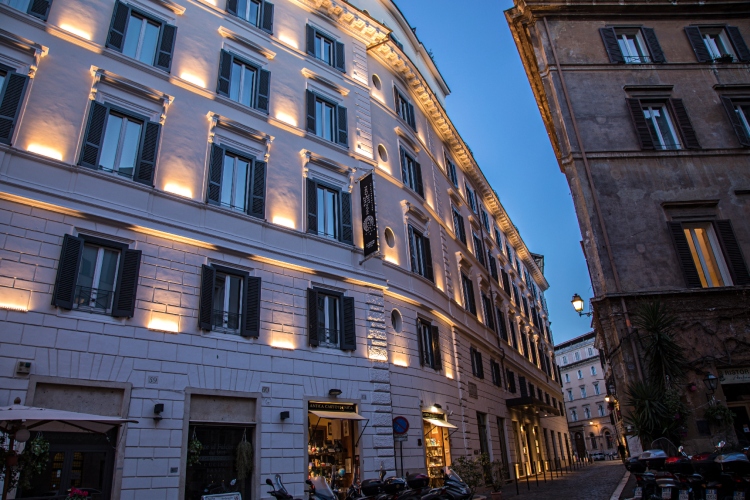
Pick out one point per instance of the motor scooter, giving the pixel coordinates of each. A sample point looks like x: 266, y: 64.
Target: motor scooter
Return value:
x: 279, y: 491
x: 453, y: 488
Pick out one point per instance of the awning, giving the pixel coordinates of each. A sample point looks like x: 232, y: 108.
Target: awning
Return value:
x: 440, y: 423
x: 338, y: 415
x: 49, y: 420
x: 532, y: 405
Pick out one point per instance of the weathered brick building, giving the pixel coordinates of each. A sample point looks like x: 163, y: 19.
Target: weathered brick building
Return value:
x: 646, y: 106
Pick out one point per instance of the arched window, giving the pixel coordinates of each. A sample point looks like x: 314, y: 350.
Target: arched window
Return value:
x: 593, y: 441
x: 608, y: 440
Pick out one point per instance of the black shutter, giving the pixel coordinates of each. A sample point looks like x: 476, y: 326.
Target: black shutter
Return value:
x: 657, y: 55
x: 610, y: 43
x: 740, y: 47
x: 225, y: 73
x: 127, y: 284
x: 696, y: 40
x: 215, y: 169
x: 232, y: 7
x: 257, y: 205
x: 349, y: 337
x: 92, y: 142
x: 411, y: 119
x: 420, y: 344
x: 343, y: 126
x: 10, y: 106
x: 266, y: 21
x: 251, y: 313
x: 404, y: 172
x: 412, y: 251
x: 206, y: 305
x: 684, y: 124
x: 734, y: 118
x: 118, y: 26
x: 149, y: 148
x: 472, y: 355
x: 67, y: 272
x: 419, y: 188
x: 263, y: 90
x: 733, y: 252
x: 339, y: 57
x: 310, y: 37
x: 501, y: 324
x: 640, y: 124
x: 692, y: 279
x: 436, y: 348
x: 312, y: 317
x: 397, y: 101
x: 40, y: 8
x: 312, y: 206
x: 461, y: 229
x: 166, y: 47
x: 310, y: 112
x: 427, y: 259
x: 493, y: 265
x: 347, y: 233
x: 480, y: 368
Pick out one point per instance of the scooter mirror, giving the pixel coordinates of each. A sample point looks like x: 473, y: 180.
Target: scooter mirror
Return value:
x: 269, y: 482
x: 680, y: 449
x: 722, y: 444
x: 232, y: 482
x: 307, y: 481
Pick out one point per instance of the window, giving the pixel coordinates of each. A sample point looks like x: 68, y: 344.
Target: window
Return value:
x: 411, y: 172
x: 567, y: 378
x: 600, y: 408
x: 458, y: 225
x: 583, y: 391
x: 596, y: 388
x: 230, y: 301
x: 738, y: 110
x: 322, y: 46
x: 718, y: 43
x: 499, y: 239
x: 580, y: 374
x: 495, y: 368
x: 330, y: 318
x: 476, y: 363
x: 493, y: 266
x: 141, y: 37
x: 593, y: 370
x: 657, y: 124
x: 510, y: 379
x: 237, y: 181
x: 257, y: 12
x: 327, y: 120
x: 587, y: 412
x: 590, y: 351
x: 501, y: 324
x: 404, y: 109
x: 564, y: 360
x: 471, y: 198
x: 428, y: 338
x: 420, y: 253
x: 468, y: 291
x: 12, y: 89
x: 574, y: 415
x: 485, y: 221
x: 450, y: 167
x: 121, y: 142
x: 570, y: 394
x: 484, y: 446
x: 97, y: 276
x: 632, y: 45
x: 243, y: 82
x: 329, y: 212
x: 37, y: 8
x: 577, y: 357
x: 699, y: 247
x: 478, y: 248
x: 489, y: 319
x: 591, y: 435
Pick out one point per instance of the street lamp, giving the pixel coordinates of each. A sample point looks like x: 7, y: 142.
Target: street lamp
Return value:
x: 578, y: 303
x: 712, y: 382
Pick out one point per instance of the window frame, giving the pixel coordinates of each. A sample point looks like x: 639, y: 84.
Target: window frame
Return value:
x: 738, y: 111
x: 451, y: 170
x: 235, y: 273
x: 19, y: 83
x: 255, y: 183
x: 315, y: 34
x: 470, y: 197
x: 165, y: 44
x: 428, y: 339
x: 339, y: 135
x: 404, y: 108
x: 343, y: 207
x: 420, y: 252
x: 459, y: 228
x: 467, y: 287
x: 477, y: 366
x: 411, y: 171
x: 38, y: 9
x: 323, y: 293
x: 264, y: 20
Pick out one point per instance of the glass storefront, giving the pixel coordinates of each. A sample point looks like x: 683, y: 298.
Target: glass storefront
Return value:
x: 436, y: 445
x: 333, y: 432
x: 214, y: 467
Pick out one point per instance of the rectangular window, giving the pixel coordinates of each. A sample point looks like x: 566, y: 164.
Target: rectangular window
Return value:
x: 325, y: 48
x: 738, y: 110
x: 327, y: 119
x: 330, y: 319
x: 484, y: 446
x: 583, y: 391
x: 510, y: 378
x: 567, y: 378
x: 476, y: 363
x: 570, y: 394
x: 468, y: 292
x: 141, y: 36
x: 596, y: 388
x: 501, y: 324
x: 660, y: 125
x: 227, y: 305
x: 470, y: 197
x: 577, y: 357
x: 411, y: 172
x: 420, y: 253
x: 499, y: 239
x: 722, y: 44
x: 236, y: 181
x: 458, y: 225
x: 601, y: 410
x: 429, y: 345
x: 495, y: 368
x: 489, y: 319
x: 663, y: 124
x: 580, y: 374
x: 564, y: 360
x: 706, y: 253
x: 244, y: 82
x: 329, y: 211
x: 485, y: 221
x: 95, y: 286
x: 587, y: 414
x: 329, y: 324
x: 574, y: 415
x: 593, y: 370
x: 450, y: 167
x: 257, y: 12
x: 404, y: 109
x: 478, y: 248
x: 37, y: 8
x: 229, y: 302
x: 632, y: 46
x: 591, y: 351
x: 122, y: 136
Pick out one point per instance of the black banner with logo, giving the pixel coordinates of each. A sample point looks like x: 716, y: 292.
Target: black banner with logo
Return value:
x: 369, y: 217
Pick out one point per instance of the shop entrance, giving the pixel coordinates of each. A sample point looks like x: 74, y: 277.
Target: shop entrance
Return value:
x: 436, y: 445
x: 333, y: 437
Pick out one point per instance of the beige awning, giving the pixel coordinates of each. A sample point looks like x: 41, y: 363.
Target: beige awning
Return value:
x: 338, y: 415
x: 440, y: 423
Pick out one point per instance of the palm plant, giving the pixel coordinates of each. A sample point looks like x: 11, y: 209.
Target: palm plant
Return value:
x: 664, y: 356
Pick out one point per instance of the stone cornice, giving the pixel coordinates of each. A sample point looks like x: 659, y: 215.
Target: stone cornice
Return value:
x: 349, y: 17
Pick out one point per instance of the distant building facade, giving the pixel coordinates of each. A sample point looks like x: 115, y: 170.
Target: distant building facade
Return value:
x: 646, y: 107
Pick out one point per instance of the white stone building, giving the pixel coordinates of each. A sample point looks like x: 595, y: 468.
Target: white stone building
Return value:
x: 181, y: 243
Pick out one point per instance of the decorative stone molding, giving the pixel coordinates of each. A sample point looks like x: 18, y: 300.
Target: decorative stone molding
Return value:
x: 332, y: 165
x: 36, y: 50
x: 246, y: 42
x: 238, y: 128
x: 131, y: 87
x: 346, y: 15
x: 308, y: 73
x: 412, y: 210
x: 408, y: 138
x: 455, y: 196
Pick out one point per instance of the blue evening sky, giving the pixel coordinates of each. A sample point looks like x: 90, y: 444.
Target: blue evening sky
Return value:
x: 493, y: 108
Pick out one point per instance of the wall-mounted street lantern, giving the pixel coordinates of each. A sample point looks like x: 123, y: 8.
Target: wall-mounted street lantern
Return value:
x: 712, y: 382
x: 578, y: 303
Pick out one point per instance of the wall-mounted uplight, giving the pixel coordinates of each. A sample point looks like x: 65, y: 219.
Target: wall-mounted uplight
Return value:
x: 288, y: 40
x: 164, y: 323
x: 287, y: 118
x: 400, y: 362
x: 195, y: 80
x: 283, y: 221
x: 173, y: 188
x: 282, y: 344
x: 45, y: 151
x: 14, y: 307
x: 14, y: 299
x: 76, y: 31
x: 334, y: 393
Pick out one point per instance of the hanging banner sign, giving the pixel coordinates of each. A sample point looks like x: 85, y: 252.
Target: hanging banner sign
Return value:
x: 734, y: 375
x: 369, y: 217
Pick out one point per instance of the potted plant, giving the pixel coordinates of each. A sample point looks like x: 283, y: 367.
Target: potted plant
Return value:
x: 495, y: 477
x: 719, y: 415
x: 471, y: 470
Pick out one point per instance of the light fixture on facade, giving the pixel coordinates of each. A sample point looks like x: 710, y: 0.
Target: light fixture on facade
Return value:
x: 578, y: 304
x: 45, y: 151
x: 287, y: 118
x: 164, y: 323
x: 195, y: 80
x: 283, y: 221
x: 76, y: 31
x: 712, y: 382
x: 284, y: 415
x: 173, y: 188
x: 334, y: 392
x: 158, y: 409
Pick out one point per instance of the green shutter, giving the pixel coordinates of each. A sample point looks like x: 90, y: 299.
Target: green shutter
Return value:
x: 420, y: 343
x: 640, y: 124
x: 734, y: 119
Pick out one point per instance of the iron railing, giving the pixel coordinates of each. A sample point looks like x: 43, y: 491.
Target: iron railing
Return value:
x: 328, y: 337
x: 228, y: 322
x: 93, y: 299
x: 637, y: 59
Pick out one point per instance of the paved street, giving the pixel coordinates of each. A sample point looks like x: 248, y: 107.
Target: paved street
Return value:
x: 595, y: 482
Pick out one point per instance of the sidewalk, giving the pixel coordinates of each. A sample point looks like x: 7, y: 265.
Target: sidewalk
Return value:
x: 595, y: 482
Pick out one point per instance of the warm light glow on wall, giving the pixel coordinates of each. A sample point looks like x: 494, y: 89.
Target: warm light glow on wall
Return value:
x: 283, y: 221
x: 287, y: 39
x: 45, y: 151
x: 449, y: 374
x: 282, y: 344
x: 195, y: 80
x: 377, y: 355
x: 385, y: 168
x: 14, y: 299
x: 391, y: 259
x: 171, y: 187
x: 287, y: 118
x: 76, y: 31
x: 400, y: 360
x: 282, y: 340
x: 164, y: 323
x: 13, y: 307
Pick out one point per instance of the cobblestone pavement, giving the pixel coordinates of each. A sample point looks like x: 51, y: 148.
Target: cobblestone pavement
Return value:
x: 595, y: 482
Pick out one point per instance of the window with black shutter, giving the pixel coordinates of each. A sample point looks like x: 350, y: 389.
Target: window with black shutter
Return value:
x: 468, y: 293
x: 478, y: 249
x: 237, y: 181
x: 327, y: 119
x: 513, y: 334
x: 471, y: 198
x: 411, y: 172
x: 420, y: 253
x: 662, y: 124
x: 36, y: 8
x: 485, y: 221
x: 325, y: 47
x: 96, y: 275
x: 141, y: 36
x: 458, y: 225
x: 230, y: 301
x: 506, y: 281
x: 404, y: 108
x: 476, y: 363
x: 257, y: 12
x: 119, y: 141
x: 632, y: 45
x: 738, y: 110
x: 502, y: 324
x: 428, y: 339
x: 493, y: 266
x: 331, y: 320
x: 722, y: 44
x: 496, y: 373
x: 450, y: 167
x: 489, y: 312
x: 329, y: 211
x: 510, y: 379
x: 243, y: 82
x: 12, y: 90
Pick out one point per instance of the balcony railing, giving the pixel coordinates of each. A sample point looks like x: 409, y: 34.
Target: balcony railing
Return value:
x: 328, y: 337
x: 226, y: 322
x: 637, y: 59
x: 93, y: 299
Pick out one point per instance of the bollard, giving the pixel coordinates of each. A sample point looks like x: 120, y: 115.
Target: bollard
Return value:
x: 544, y: 471
x: 536, y: 476
x: 515, y: 476
x: 528, y: 486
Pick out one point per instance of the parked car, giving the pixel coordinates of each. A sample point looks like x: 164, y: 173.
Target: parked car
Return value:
x: 597, y: 455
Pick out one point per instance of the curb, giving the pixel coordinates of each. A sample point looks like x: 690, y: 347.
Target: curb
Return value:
x: 616, y: 494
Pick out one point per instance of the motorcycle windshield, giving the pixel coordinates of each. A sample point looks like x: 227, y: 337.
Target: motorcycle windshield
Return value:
x: 450, y: 475
x: 280, y: 485
x: 321, y: 487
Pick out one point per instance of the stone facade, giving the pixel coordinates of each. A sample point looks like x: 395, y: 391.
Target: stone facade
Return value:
x: 652, y: 141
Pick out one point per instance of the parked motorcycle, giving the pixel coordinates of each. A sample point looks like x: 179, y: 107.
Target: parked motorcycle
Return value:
x: 453, y: 488
x: 279, y: 491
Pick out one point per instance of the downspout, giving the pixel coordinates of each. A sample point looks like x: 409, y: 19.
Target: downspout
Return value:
x: 595, y: 198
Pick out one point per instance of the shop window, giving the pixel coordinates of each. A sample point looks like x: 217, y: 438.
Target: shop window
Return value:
x: 428, y: 337
x: 325, y: 48
x: 216, y: 464
x: 327, y: 119
x: 331, y: 445
x: 329, y: 211
x: 257, y: 12
x: 411, y: 172
x: 476, y: 363
x: 141, y: 36
x: 230, y: 301
x: 12, y: 90
x: 97, y: 276
x: 237, y: 181
x: 437, y: 445
x: 404, y: 109
x: 331, y: 319
x: 420, y: 253
x: 243, y: 82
